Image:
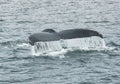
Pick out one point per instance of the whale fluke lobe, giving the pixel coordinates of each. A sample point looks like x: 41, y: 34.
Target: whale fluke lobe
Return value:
x: 78, y: 33
x: 42, y: 37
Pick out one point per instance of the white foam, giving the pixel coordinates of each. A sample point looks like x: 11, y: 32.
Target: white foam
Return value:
x: 23, y: 44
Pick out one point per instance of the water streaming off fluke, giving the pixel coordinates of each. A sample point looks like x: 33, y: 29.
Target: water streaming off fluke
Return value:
x: 45, y: 47
x: 89, y: 43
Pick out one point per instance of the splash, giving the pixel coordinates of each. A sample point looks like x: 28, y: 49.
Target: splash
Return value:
x: 61, y: 47
x: 23, y: 45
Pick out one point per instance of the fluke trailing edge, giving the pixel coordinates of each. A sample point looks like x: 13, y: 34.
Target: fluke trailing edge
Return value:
x: 51, y: 35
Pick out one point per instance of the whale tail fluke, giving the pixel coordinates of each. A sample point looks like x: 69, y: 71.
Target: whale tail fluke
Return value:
x: 49, y: 40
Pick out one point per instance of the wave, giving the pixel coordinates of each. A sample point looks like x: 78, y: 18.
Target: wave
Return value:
x: 14, y: 43
x: 114, y: 44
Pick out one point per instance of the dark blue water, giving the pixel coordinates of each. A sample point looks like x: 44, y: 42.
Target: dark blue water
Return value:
x: 21, y: 18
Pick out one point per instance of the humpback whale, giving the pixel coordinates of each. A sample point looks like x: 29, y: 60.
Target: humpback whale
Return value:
x: 52, y: 35
x: 49, y: 40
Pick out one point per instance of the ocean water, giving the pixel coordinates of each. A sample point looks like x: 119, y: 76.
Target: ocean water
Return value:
x: 21, y: 18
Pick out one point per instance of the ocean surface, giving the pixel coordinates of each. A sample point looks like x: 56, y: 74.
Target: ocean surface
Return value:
x: 21, y: 18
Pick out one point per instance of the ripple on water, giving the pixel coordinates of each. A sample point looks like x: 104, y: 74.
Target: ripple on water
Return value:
x: 20, y: 18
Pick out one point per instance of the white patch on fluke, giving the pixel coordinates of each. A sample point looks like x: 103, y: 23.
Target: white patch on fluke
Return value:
x: 62, y: 46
